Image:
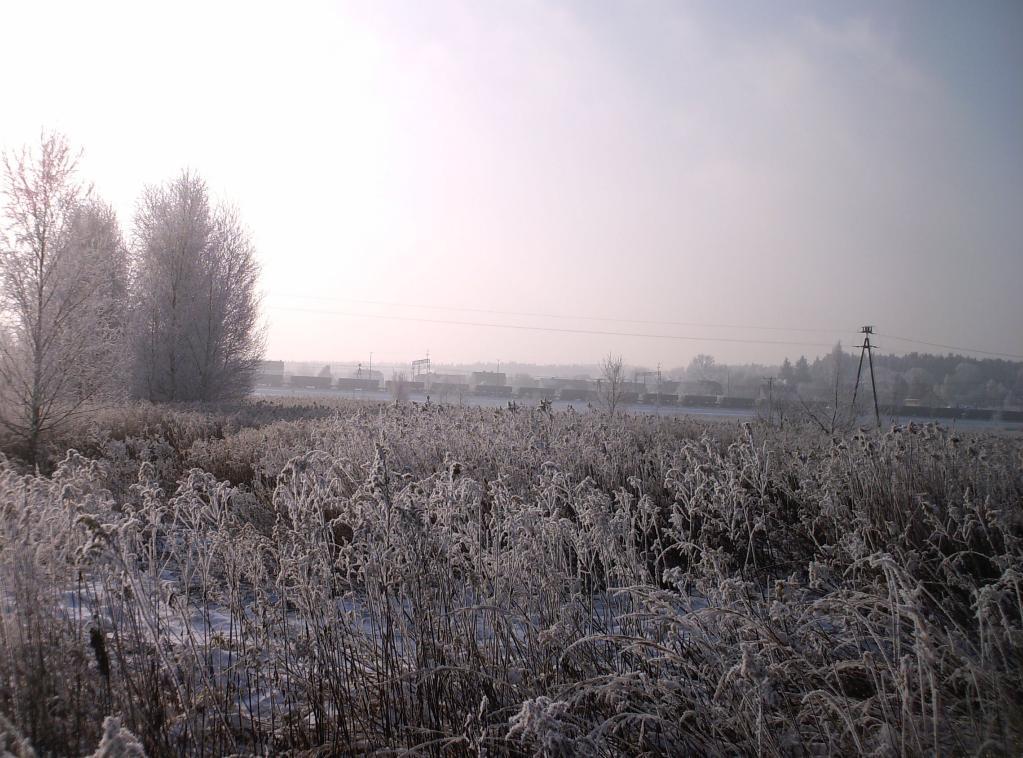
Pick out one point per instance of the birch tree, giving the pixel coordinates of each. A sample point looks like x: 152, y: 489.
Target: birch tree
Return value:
x: 63, y: 269
x: 196, y: 332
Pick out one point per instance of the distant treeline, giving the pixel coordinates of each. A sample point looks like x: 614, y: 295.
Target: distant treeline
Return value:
x: 935, y: 380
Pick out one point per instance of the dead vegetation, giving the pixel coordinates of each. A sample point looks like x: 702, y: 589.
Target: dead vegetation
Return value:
x: 450, y: 581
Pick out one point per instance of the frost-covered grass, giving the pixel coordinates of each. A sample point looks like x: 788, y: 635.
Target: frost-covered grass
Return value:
x: 449, y: 580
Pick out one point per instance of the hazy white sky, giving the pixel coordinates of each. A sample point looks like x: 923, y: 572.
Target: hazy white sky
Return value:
x: 806, y: 166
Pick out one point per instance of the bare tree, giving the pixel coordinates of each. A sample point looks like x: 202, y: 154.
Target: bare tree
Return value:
x: 612, y: 385
x: 64, y: 273
x: 399, y: 387
x: 701, y: 367
x: 196, y: 332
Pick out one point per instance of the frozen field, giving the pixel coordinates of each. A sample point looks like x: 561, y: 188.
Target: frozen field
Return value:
x: 437, y: 580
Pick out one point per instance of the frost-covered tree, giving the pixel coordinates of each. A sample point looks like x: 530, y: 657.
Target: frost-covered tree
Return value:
x: 612, y: 385
x: 786, y: 373
x: 64, y: 274
x: 802, y: 370
x: 196, y: 332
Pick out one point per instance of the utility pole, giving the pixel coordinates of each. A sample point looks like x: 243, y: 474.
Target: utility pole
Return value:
x: 867, y: 348
x: 770, y: 400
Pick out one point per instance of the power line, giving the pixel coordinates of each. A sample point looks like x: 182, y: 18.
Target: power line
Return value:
x: 910, y: 340
x: 562, y: 330
x: 950, y: 347
x: 567, y: 317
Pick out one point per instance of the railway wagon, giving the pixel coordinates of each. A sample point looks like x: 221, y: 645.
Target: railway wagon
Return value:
x: 410, y: 387
x: 1015, y: 416
x: 658, y: 398
x: 536, y: 393
x: 629, y: 398
x: 735, y: 402
x: 914, y: 411
x: 929, y: 412
x: 976, y: 414
x: 269, y: 380
x: 700, y: 401
x: 441, y: 388
x: 577, y: 394
x: 362, y: 385
x: 493, y: 390
x: 299, y: 381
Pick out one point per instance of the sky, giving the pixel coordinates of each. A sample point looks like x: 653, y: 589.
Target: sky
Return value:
x: 553, y: 182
